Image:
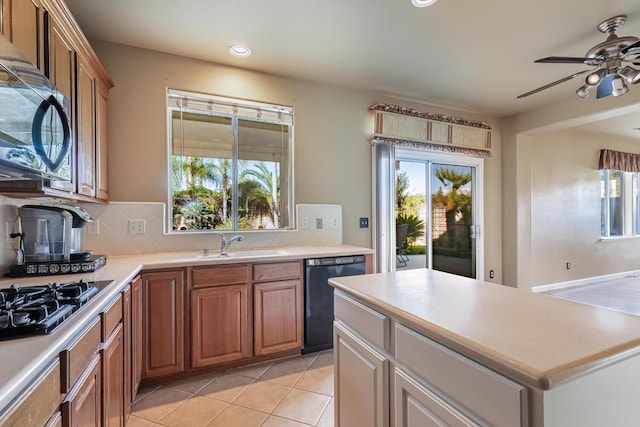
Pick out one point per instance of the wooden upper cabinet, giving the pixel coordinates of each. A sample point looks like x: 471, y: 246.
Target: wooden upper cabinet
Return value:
x: 61, y: 68
x: 23, y: 25
x: 47, y: 35
x: 102, y: 141
x: 86, y: 130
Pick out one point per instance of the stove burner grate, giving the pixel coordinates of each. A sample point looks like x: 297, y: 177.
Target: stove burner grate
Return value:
x: 26, y: 311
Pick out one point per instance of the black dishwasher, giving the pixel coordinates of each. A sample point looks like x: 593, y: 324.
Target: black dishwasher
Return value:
x: 318, y: 297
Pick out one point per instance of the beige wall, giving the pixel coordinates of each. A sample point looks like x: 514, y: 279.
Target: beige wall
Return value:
x: 565, y: 209
x: 332, y: 130
x: 545, y: 161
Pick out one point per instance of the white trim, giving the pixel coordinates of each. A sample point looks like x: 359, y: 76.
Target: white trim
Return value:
x: 585, y: 281
x: 478, y: 205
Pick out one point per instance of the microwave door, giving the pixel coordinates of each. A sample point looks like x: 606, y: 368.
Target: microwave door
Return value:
x: 34, y: 126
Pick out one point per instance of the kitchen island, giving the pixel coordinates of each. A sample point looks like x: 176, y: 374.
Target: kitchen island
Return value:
x: 39, y: 364
x: 424, y: 345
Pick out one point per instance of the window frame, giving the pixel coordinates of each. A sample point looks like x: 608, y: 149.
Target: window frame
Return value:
x: 630, y: 204
x: 236, y: 110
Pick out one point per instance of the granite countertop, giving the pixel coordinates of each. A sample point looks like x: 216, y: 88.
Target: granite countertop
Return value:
x: 538, y: 340
x: 22, y: 359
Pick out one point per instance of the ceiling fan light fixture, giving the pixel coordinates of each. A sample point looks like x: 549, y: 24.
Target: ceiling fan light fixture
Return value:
x: 423, y: 3
x: 594, y: 78
x: 619, y: 86
x: 584, y: 91
x: 630, y: 74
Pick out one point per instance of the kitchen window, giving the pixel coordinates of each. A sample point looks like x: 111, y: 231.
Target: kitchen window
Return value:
x: 620, y: 215
x: 230, y: 163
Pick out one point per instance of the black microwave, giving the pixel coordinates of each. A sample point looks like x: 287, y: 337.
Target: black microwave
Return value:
x: 35, y: 132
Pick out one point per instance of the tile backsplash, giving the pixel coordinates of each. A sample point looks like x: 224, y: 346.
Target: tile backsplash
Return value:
x: 318, y: 225
x: 323, y: 226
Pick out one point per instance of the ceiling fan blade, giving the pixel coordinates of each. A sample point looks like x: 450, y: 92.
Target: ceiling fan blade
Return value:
x: 632, y: 46
x: 557, y: 82
x: 562, y: 60
x: 605, y: 88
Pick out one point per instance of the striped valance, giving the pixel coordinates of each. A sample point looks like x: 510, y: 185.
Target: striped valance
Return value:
x: 429, y: 146
x: 410, y: 128
x: 618, y: 160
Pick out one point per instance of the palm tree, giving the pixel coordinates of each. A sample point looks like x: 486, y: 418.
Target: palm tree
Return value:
x: 269, y: 180
x: 454, y: 180
x: 220, y: 171
x: 402, y: 187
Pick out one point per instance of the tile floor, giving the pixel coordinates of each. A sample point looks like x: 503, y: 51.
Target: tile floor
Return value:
x: 287, y: 393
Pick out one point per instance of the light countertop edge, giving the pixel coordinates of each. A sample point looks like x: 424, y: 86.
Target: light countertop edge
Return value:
x: 24, y: 358
x: 506, y: 329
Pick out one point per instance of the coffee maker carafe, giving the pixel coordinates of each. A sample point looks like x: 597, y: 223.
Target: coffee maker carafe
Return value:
x: 46, y: 233
x: 53, y: 233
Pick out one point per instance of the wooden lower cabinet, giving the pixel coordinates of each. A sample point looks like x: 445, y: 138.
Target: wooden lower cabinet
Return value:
x: 39, y: 401
x: 113, y: 379
x: 361, y: 376
x: 163, y: 315
x: 83, y: 404
x: 55, y: 420
x: 219, y: 325
x: 136, y: 335
x: 277, y: 316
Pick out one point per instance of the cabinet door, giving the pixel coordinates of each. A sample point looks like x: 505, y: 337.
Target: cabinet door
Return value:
x: 219, y: 325
x: 60, y: 67
x: 127, y: 361
x: 163, y: 323
x: 86, y: 135
x: 136, y: 335
x: 83, y: 404
x: 361, y: 381
x: 101, y: 131
x: 22, y: 24
x: 277, y: 316
x: 417, y: 406
x: 113, y: 379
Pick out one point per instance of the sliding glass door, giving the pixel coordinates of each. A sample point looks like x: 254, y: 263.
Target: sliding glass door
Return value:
x: 438, y: 209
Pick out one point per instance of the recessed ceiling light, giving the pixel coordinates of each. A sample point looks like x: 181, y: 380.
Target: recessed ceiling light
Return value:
x: 423, y: 3
x: 239, y: 50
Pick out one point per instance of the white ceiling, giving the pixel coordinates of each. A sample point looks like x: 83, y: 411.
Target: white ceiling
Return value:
x: 473, y: 55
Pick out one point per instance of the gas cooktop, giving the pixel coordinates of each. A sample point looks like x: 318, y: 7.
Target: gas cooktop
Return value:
x: 36, y: 310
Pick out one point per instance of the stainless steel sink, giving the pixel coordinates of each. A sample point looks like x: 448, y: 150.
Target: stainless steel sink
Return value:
x: 248, y: 253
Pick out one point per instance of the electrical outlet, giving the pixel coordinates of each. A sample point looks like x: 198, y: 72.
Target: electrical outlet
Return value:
x: 93, y: 227
x: 318, y: 223
x: 334, y: 222
x: 137, y: 226
x: 491, y: 274
x: 364, y: 222
x: 568, y: 266
x: 305, y: 223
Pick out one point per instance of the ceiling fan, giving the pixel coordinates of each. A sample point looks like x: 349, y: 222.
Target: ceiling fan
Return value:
x: 611, y: 76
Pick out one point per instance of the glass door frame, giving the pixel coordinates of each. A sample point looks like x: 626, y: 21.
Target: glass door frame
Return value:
x: 429, y: 158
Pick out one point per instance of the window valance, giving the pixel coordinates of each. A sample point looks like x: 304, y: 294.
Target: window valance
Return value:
x: 410, y: 128
x: 618, y: 160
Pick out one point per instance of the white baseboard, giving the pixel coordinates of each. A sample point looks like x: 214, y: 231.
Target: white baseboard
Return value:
x: 582, y: 282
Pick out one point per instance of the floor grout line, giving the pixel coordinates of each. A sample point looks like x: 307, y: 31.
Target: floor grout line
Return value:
x: 308, y: 366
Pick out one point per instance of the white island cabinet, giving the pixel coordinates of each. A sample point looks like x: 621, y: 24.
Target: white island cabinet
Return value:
x: 423, y: 348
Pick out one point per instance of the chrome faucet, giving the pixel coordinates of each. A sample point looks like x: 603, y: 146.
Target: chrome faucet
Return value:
x: 224, y: 243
